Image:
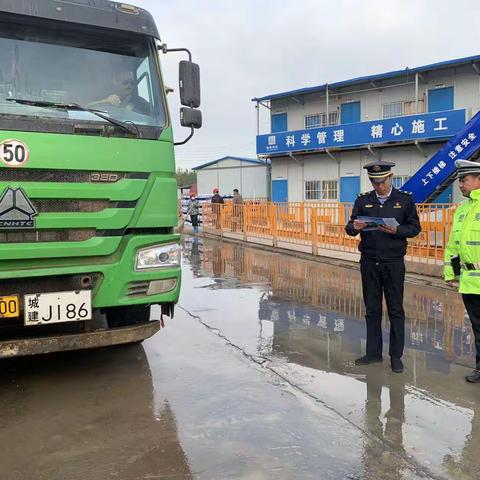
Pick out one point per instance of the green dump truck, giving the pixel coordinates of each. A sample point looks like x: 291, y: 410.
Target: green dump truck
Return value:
x: 88, y: 200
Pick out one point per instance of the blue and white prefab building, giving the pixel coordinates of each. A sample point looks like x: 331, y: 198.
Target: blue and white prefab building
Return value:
x: 322, y: 136
x: 248, y: 175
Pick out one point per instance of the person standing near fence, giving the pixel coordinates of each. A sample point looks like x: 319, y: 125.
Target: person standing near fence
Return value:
x: 462, y: 254
x: 216, y: 197
x: 217, y: 200
x: 382, y: 265
x: 237, y: 218
x: 193, y: 210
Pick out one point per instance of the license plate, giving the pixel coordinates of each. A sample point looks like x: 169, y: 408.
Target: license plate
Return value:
x: 59, y: 307
x: 9, y: 306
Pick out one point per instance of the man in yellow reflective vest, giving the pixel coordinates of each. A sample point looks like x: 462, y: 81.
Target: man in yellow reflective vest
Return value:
x: 462, y: 255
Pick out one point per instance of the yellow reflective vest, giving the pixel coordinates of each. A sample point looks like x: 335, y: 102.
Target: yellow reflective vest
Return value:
x: 465, y: 241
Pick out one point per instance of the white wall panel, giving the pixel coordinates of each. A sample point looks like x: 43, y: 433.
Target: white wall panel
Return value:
x: 207, y: 180
x: 229, y: 179
x: 254, y: 182
x: 280, y: 167
x: 295, y: 182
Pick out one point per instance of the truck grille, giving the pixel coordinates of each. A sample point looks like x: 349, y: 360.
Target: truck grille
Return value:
x: 68, y: 235
x: 58, y: 176
x: 45, y: 206
x: 110, y: 200
x: 49, y: 284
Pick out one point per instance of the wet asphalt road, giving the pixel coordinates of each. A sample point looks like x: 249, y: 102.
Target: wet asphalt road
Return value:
x: 253, y: 379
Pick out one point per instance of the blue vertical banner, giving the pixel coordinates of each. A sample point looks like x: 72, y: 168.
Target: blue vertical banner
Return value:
x: 439, y: 125
x: 440, y: 168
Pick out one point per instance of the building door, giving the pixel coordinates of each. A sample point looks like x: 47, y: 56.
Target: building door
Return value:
x: 349, y: 189
x: 350, y: 112
x: 280, y: 190
x: 279, y: 122
x: 440, y: 99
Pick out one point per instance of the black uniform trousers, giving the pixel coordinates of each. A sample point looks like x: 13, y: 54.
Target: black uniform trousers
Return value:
x: 383, y: 278
x: 472, y: 305
x: 194, y: 220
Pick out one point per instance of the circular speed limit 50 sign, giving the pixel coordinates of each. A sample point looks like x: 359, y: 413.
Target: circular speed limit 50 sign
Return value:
x: 14, y: 153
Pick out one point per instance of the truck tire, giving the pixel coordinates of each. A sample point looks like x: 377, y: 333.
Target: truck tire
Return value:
x: 128, y: 315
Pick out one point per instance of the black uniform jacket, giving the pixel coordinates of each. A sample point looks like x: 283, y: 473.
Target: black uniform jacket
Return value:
x: 217, y: 198
x: 379, y: 245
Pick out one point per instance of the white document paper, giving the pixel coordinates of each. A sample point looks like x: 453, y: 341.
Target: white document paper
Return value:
x: 375, y: 222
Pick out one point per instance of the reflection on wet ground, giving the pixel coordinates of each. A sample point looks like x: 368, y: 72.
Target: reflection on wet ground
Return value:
x: 86, y: 415
x: 299, y: 292
x: 185, y: 405
x: 303, y: 321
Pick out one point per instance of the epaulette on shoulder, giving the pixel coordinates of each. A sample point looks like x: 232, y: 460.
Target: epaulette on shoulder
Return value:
x: 362, y: 194
x: 405, y: 192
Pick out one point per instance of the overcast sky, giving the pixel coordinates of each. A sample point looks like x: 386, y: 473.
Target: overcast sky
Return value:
x: 251, y: 48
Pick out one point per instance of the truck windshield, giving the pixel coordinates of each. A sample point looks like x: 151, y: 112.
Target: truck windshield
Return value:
x: 112, y: 72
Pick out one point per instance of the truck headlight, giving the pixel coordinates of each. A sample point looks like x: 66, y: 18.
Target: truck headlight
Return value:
x: 158, y: 257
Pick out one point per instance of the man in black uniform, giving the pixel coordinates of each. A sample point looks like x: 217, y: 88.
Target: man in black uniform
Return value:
x: 382, y: 260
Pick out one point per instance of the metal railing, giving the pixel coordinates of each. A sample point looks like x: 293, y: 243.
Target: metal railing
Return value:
x: 320, y: 225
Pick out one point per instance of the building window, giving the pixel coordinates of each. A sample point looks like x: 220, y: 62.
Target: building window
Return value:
x: 319, y: 120
x: 398, y: 181
x: 392, y: 110
x: 321, y: 190
x: 409, y: 108
x: 313, y: 190
x: 333, y: 118
x: 398, y: 109
x: 313, y: 121
x: 329, y: 189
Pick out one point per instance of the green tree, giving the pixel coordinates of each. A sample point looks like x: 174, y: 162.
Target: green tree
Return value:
x: 186, y: 177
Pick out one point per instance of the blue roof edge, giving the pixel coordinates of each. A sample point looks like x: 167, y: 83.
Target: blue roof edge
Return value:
x: 366, y: 78
x: 242, y: 159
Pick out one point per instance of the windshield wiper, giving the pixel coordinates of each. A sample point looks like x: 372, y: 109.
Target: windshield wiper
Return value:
x: 75, y: 106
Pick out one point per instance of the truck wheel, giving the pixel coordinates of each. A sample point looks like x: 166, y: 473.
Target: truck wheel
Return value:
x: 128, y: 315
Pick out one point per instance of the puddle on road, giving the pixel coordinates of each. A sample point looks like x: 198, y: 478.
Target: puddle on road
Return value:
x: 86, y: 414
x: 307, y: 318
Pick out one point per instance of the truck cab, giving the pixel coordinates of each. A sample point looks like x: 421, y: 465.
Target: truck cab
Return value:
x: 88, y: 200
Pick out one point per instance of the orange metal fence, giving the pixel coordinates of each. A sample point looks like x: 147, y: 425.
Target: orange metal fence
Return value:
x: 320, y: 225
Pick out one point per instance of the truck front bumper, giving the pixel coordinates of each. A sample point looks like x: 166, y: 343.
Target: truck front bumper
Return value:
x: 80, y: 341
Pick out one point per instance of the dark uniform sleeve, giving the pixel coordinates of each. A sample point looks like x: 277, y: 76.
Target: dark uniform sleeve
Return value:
x: 411, y: 228
x: 349, y: 226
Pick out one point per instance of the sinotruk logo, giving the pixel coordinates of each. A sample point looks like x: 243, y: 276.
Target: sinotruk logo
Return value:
x: 16, y: 210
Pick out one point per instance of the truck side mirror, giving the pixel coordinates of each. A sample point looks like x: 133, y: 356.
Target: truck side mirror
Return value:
x: 189, y: 80
x: 190, y: 117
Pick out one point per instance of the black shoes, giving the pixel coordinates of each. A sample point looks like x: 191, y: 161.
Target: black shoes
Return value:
x: 397, y: 365
x: 367, y: 360
x: 473, y: 377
